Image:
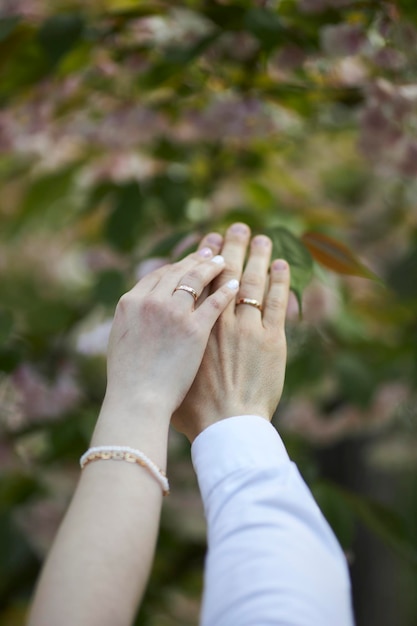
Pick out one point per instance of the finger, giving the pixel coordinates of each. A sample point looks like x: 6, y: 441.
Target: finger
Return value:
x: 191, y: 284
x: 277, y: 297
x: 214, y: 241
x: 255, y: 276
x: 234, y: 251
x: 171, y: 277
x: 215, y: 304
x: 149, y: 281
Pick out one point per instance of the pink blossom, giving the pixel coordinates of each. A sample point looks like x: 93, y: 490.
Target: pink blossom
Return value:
x: 293, y: 311
x: 408, y: 160
x: 121, y: 166
x: 225, y: 119
x: 303, y: 417
x: 40, y: 520
x: 9, y: 460
x: 350, y: 71
x: 320, y: 302
x: 6, y: 133
x: 149, y: 265
x: 94, y: 341
x: 240, y: 46
x: 122, y: 128
x: 317, y: 6
x: 287, y: 59
x: 41, y: 399
x: 25, y: 8
x: 186, y: 242
x: 386, y: 124
x: 343, y: 39
x: 389, y: 59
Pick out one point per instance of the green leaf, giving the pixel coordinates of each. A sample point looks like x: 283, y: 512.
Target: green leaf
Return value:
x: 337, y: 512
x: 22, y: 62
x: 175, y: 60
x: 261, y: 197
x: 171, y: 196
x: 402, y: 275
x: 266, y: 26
x: 18, y: 562
x: 381, y: 520
x: 6, y: 325
x: 226, y: 16
x: 109, y: 287
x: 59, y: 34
x: 10, y: 358
x: 290, y: 248
x: 124, y: 224
x: 16, y: 489
x: 46, y: 201
x: 385, y: 523
x: 7, y: 26
x: 165, y: 246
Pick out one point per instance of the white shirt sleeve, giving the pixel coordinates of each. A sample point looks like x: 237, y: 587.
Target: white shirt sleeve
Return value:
x: 272, y: 558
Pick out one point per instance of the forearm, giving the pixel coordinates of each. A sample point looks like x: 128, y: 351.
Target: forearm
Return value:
x: 98, y: 567
x: 272, y: 558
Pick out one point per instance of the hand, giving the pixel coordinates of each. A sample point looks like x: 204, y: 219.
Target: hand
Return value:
x: 243, y: 368
x: 158, y: 337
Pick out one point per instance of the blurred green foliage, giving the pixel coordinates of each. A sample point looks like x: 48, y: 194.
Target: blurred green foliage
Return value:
x: 128, y: 129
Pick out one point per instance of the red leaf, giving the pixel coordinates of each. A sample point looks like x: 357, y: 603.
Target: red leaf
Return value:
x: 335, y: 255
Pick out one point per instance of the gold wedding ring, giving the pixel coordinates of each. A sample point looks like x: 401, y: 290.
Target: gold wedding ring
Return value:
x: 188, y: 289
x: 251, y: 302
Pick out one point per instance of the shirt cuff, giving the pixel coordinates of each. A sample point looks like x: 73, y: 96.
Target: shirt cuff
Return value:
x: 232, y: 444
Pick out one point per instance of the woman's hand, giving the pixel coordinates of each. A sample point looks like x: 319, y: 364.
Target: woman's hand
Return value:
x: 99, y: 565
x: 159, y: 336
x: 243, y: 368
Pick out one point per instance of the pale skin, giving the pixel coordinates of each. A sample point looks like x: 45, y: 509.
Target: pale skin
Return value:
x: 232, y: 362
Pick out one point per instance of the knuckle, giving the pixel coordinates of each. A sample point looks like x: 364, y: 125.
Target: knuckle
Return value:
x: 279, y: 339
x: 277, y: 303
x: 150, y: 306
x: 216, y: 302
x: 193, y: 275
x: 246, y: 332
x: 125, y: 302
x: 232, y: 268
x: 177, y: 316
x: 252, y: 279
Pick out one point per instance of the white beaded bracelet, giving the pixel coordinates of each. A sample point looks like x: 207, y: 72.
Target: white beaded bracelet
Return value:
x: 125, y: 453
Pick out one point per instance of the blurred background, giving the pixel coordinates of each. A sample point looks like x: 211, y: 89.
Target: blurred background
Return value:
x: 129, y: 128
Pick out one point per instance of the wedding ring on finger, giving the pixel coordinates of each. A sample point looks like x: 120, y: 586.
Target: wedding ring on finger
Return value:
x: 188, y: 289
x: 251, y: 302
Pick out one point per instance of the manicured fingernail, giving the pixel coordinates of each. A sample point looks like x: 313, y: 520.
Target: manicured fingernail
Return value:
x: 215, y: 239
x: 262, y: 241
x: 239, y: 229
x: 279, y: 265
x: 233, y: 284
x: 206, y: 253
x: 218, y: 259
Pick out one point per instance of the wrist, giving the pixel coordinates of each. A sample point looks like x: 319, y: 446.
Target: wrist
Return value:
x: 206, y: 419
x: 143, y: 425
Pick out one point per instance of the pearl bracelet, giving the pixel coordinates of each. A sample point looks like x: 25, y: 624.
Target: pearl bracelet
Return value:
x: 124, y: 453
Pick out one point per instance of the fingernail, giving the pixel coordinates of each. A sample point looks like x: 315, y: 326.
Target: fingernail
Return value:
x: 218, y: 259
x: 233, y: 284
x: 206, y: 253
x: 215, y: 239
x: 239, y: 229
x: 261, y: 240
x: 279, y: 265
